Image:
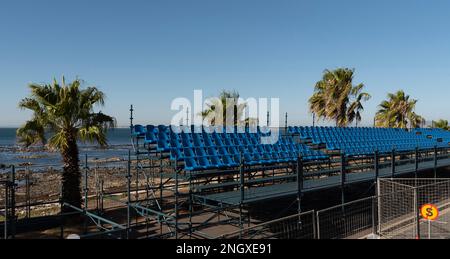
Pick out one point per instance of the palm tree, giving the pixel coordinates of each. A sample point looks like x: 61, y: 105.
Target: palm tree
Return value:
x: 216, y: 115
x: 336, y: 98
x: 227, y: 103
x: 64, y: 113
x: 441, y: 124
x: 398, y: 112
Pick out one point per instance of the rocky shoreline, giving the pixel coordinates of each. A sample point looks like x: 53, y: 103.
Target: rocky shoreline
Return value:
x: 40, y: 156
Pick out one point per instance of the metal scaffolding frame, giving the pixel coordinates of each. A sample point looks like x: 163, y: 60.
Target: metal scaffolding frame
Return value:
x: 207, y: 189
x: 183, y: 203
x: 9, y: 207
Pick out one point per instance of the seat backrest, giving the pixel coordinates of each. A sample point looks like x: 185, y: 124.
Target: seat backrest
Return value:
x: 188, y: 152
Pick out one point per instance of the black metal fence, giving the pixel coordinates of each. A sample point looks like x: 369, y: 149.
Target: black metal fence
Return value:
x: 354, y: 220
x: 393, y: 214
x: 300, y: 226
x: 400, y: 208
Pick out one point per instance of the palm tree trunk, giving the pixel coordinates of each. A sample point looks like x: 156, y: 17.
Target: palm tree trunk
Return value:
x: 71, y: 173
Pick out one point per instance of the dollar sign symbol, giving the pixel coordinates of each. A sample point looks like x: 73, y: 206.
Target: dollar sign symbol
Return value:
x: 429, y: 212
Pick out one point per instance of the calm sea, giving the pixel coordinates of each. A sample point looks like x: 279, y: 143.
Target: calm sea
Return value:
x: 119, y: 141
x: 119, y: 145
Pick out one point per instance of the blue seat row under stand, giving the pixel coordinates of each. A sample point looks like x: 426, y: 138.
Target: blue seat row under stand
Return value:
x: 209, y: 151
x: 441, y: 136
x: 223, y: 148
x: 201, y: 158
x: 364, y: 141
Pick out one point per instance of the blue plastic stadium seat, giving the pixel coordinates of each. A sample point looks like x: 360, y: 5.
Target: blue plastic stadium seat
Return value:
x: 204, y: 162
x: 151, y: 135
x: 163, y: 145
x: 248, y: 159
x: 207, y: 140
x: 191, y: 164
x: 228, y: 161
x: 227, y: 142
x: 176, y: 154
x: 198, y: 140
x: 139, y: 131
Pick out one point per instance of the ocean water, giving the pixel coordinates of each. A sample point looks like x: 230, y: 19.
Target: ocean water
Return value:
x: 119, y: 143
x: 115, y: 137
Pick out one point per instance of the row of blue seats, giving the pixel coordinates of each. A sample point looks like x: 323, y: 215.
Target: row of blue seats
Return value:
x: 327, y: 140
x: 204, y: 158
x: 341, y: 129
x: 140, y: 130
x: 362, y: 141
x: 437, y: 134
x: 201, y: 151
x: 207, y: 140
x: 337, y: 130
x: 304, y: 151
x: 380, y: 133
x: 161, y: 135
x: 203, y: 139
x: 216, y: 150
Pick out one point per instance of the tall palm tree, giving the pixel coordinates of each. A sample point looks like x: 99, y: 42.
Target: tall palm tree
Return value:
x: 227, y: 103
x: 441, y: 124
x: 65, y: 113
x: 216, y: 115
x: 398, y: 112
x: 336, y: 98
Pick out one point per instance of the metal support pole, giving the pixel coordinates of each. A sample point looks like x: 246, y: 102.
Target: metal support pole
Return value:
x: 137, y: 173
x: 242, y: 192
x: 86, y: 188
x: 102, y: 195
x: 343, y: 178
x: 377, y: 165
x: 374, y: 216
x: 190, y: 206
x: 435, y: 161
x: 375, y: 199
x: 12, y: 217
x: 416, y: 163
x: 176, y: 203
x: 286, y: 124
x: 161, y: 186
x: 393, y: 163
x: 241, y: 179
x: 299, y: 183
x: 28, y: 193
x: 129, y: 194
x: 187, y: 117
x: 61, y: 213
x: 417, y: 205
x: 315, y: 227
x: 378, y: 206
x: 131, y: 119
x: 6, y: 210
x: 268, y: 119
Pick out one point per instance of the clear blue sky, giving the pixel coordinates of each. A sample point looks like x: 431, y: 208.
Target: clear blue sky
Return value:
x: 148, y: 52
